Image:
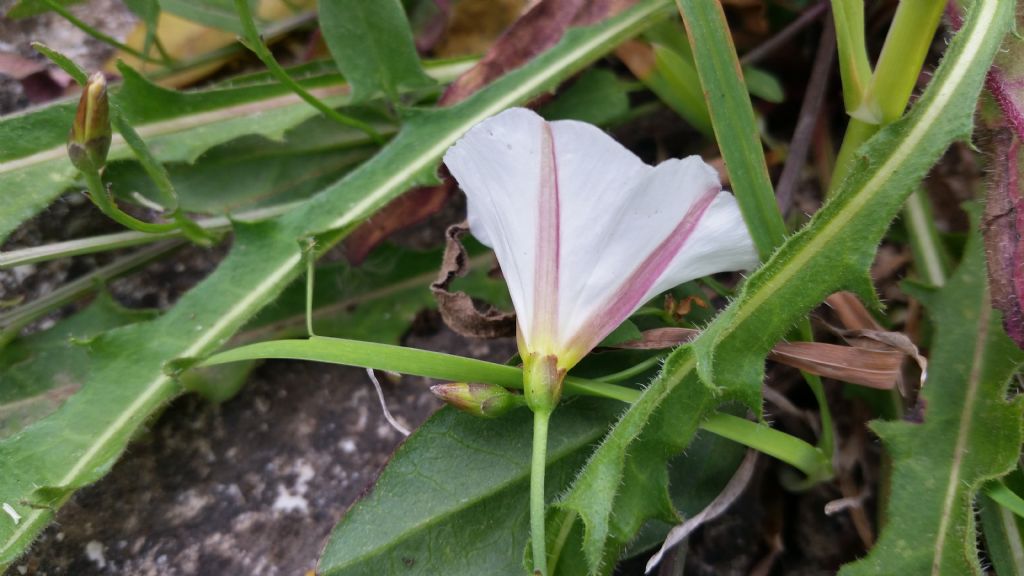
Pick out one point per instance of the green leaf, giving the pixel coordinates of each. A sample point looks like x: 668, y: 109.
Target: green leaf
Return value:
x: 454, y: 497
x: 372, y: 45
x: 218, y: 14
x: 1004, y: 530
x: 178, y: 126
x: 597, y: 96
x: 57, y: 357
x: 147, y: 10
x: 26, y: 8
x: 77, y: 444
x: 252, y: 171
x: 970, y: 434
x: 733, y: 119
x: 54, y: 363
x: 833, y: 251
x: 763, y: 85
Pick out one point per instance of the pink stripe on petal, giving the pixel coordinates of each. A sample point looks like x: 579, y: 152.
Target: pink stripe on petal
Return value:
x: 628, y: 296
x: 545, y: 295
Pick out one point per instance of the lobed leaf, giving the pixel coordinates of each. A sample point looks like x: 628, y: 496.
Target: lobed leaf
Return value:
x: 970, y: 434
x: 372, y: 45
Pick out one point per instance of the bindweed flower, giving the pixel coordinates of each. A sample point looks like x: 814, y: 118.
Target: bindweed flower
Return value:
x: 585, y: 232
x: 89, y: 140
x: 483, y: 400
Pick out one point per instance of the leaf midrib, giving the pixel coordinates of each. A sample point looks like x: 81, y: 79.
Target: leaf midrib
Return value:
x: 964, y: 429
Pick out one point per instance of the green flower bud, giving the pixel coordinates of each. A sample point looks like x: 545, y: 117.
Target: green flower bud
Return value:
x: 90, y: 135
x: 484, y: 400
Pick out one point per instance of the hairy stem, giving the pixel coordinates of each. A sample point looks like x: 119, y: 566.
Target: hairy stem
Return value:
x: 537, y: 504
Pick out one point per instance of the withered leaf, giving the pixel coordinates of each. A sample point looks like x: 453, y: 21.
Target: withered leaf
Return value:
x: 457, y: 309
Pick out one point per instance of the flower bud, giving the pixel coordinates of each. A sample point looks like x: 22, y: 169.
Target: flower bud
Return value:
x: 90, y: 135
x: 484, y: 400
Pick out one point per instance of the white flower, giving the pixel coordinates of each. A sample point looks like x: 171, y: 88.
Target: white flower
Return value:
x: 585, y: 232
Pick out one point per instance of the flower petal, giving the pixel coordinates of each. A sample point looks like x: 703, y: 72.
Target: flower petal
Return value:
x: 672, y: 226
x: 585, y: 232
x: 499, y: 165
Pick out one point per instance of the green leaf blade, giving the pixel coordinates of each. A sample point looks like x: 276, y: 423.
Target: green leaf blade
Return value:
x: 373, y: 47
x: 732, y: 116
x: 454, y: 499
x: 970, y: 434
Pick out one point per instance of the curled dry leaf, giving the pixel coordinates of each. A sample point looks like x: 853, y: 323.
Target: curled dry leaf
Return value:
x: 457, y: 309
x: 540, y: 28
x: 737, y: 484
x: 874, y: 358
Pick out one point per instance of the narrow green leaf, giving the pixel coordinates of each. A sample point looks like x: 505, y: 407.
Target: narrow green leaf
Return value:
x: 178, y: 126
x: 970, y: 434
x: 77, y: 444
x: 733, y: 118
x: 219, y: 14
x: 833, y: 251
x: 853, y: 53
x: 379, y: 356
x: 372, y: 45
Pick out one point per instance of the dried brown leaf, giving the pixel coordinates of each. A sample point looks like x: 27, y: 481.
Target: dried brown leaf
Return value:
x: 876, y: 363
x: 457, y: 309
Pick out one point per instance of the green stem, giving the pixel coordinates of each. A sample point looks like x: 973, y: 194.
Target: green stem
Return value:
x: 310, y: 276
x: 253, y: 42
x: 930, y: 257
x: 899, y: 65
x: 826, y: 442
x: 118, y: 240
x: 854, y: 67
x: 633, y: 371
x: 885, y: 98
x: 101, y: 197
x: 67, y: 15
x: 789, y: 449
x: 857, y: 133
x: 537, y: 504
x: 12, y: 322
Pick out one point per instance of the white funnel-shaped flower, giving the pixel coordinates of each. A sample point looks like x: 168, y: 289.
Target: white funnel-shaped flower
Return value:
x: 584, y: 231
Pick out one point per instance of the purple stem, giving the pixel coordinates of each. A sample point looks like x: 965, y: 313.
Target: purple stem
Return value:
x: 784, y: 35
x: 814, y: 97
